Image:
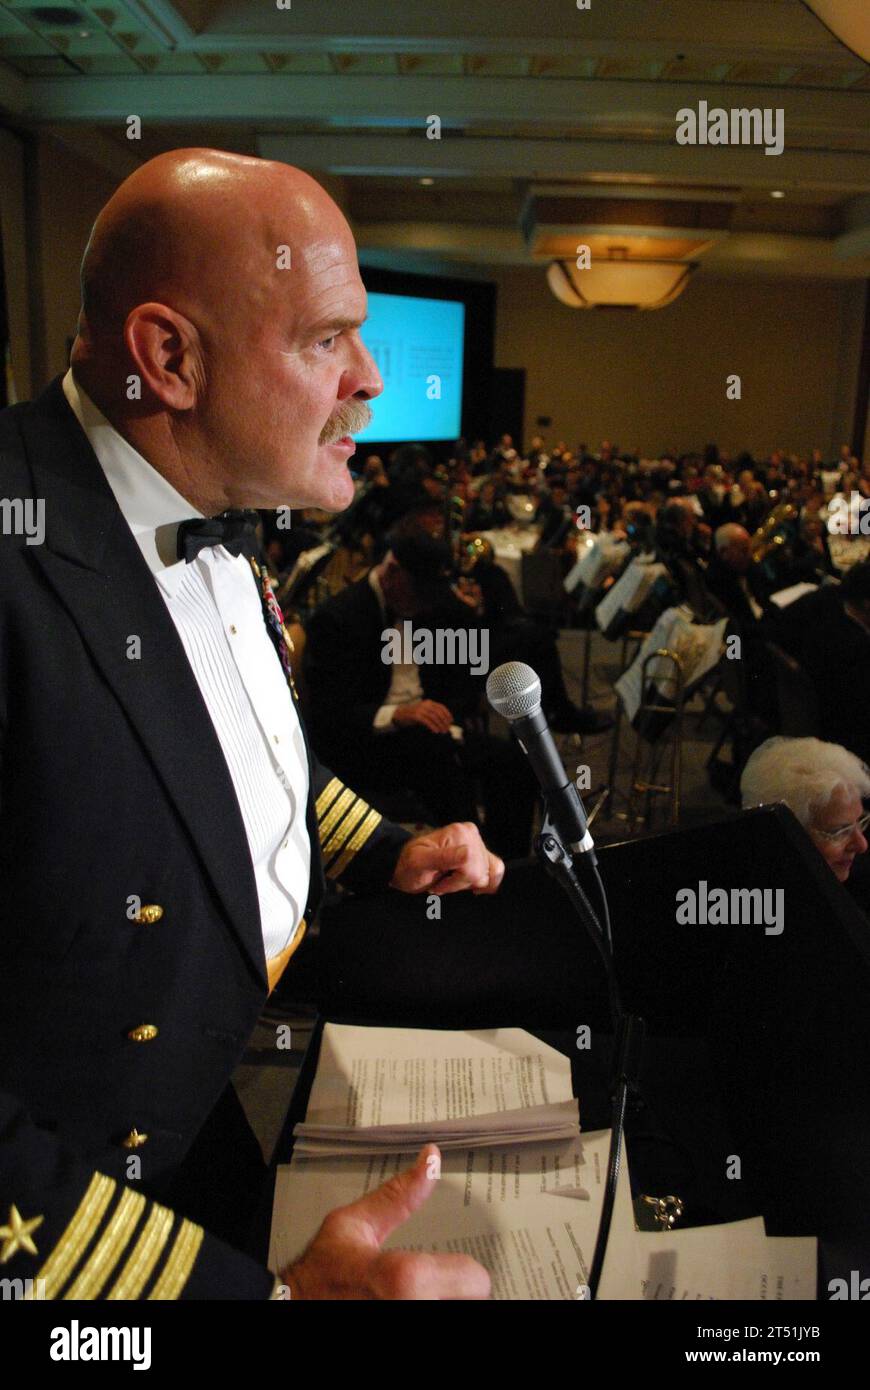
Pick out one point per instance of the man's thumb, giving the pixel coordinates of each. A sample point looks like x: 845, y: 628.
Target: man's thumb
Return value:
x: 388, y: 1206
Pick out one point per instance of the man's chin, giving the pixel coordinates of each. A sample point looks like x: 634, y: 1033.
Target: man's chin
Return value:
x: 333, y: 483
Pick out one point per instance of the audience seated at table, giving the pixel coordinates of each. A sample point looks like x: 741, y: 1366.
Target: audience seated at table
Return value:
x: 699, y: 513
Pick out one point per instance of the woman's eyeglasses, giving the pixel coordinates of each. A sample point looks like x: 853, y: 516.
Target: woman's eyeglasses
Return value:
x: 840, y: 836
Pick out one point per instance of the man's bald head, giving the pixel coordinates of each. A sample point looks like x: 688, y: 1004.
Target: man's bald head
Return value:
x: 228, y: 288
x: 733, y: 546
x: 193, y: 225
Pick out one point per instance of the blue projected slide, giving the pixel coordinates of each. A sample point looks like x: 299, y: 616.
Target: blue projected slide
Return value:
x: 417, y: 344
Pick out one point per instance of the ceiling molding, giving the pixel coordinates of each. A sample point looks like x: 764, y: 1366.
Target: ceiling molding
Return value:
x: 478, y: 244
x: 527, y: 25
x: 833, y: 56
x: 744, y: 253
x: 384, y: 101
x: 640, y: 191
x: 549, y: 159
x: 536, y: 100
x: 162, y: 20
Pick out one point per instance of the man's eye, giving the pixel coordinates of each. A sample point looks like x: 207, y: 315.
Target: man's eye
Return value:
x: 326, y: 343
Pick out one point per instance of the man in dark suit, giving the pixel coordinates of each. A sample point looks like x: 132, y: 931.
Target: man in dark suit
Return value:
x: 385, y: 719
x: 732, y: 579
x: 164, y: 830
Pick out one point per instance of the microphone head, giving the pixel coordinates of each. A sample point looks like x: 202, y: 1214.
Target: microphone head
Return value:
x: 513, y: 690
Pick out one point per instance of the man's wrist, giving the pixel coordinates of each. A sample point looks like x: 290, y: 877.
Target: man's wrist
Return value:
x: 384, y: 718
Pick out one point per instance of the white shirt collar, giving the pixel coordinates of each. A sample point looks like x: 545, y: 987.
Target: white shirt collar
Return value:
x: 150, y: 505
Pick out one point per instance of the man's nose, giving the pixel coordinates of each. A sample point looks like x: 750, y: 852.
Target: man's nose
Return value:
x: 365, y: 379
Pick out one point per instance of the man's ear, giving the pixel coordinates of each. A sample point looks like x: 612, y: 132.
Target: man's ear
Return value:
x: 166, y: 353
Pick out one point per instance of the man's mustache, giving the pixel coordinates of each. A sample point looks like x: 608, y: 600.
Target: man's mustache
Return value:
x: 350, y: 418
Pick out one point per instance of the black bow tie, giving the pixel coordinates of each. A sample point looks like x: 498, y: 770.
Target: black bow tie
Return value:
x: 235, y: 530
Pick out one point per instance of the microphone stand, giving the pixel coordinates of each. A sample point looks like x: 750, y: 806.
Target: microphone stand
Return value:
x: 628, y: 1028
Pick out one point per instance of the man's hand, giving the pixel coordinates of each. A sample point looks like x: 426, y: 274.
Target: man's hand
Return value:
x: 433, y: 716
x: 468, y: 591
x: 345, y: 1259
x: 447, y: 861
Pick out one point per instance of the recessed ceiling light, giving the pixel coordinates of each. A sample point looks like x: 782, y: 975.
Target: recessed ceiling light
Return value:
x: 777, y: 193
x: 427, y: 183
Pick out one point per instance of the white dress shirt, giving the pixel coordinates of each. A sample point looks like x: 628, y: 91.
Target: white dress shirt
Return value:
x: 405, y: 684
x: 215, y: 606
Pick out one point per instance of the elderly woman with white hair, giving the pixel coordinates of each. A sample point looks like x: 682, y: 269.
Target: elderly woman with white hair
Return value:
x: 823, y: 784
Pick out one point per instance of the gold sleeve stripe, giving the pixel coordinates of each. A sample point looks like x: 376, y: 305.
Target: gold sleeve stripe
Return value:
x: 346, y: 828
x: 179, y: 1263
x: 144, y: 1255
x: 331, y: 790
x: 78, y: 1234
x: 109, y: 1248
x: 366, y: 830
x: 334, y: 815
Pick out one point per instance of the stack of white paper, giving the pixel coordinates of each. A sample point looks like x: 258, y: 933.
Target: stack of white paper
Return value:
x: 528, y: 1210
x: 390, y: 1090
x: 514, y: 1127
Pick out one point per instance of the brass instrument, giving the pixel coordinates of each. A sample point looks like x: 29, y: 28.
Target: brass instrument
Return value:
x: 774, y: 532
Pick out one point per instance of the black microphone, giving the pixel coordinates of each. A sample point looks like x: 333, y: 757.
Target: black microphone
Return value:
x: 514, y: 691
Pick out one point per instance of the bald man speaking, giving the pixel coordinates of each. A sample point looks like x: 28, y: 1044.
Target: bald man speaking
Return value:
x: 165, y: 831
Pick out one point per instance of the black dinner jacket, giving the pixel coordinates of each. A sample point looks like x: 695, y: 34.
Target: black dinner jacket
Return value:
x: 131, y: 957
x: 347, y: 679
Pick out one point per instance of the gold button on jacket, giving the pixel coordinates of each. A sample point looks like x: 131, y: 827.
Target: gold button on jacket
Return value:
x: 150, y: 912
x: 146, y: 1032
x: 134, y: 1140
